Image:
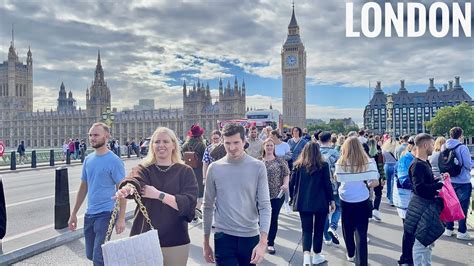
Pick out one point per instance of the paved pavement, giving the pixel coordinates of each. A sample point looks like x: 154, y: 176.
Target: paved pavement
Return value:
x: 384, y: 246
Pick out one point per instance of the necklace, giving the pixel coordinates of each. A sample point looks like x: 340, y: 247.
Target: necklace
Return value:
x: 164, y: 170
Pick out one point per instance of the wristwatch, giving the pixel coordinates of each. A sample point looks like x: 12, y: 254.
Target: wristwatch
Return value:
x: 161, y: 196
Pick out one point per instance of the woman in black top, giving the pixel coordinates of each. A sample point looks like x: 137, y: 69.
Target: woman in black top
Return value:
x: 312, y: 198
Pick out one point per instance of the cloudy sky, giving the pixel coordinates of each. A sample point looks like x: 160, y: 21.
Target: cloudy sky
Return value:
x: 149, y: 47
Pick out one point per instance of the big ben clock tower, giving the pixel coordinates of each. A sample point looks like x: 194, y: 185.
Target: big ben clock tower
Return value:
x: 293, y: 68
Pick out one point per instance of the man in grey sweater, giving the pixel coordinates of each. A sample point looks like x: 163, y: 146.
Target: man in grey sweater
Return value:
x: 238, y: 187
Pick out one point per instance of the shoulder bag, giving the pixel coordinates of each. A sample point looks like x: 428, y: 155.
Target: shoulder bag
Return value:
x: 142, y: 249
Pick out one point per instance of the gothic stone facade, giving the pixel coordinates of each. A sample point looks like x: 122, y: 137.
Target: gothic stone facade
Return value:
x: 49, y: 129
x: 16, y: 84
x: 199, y: 108
x: 411, y: 110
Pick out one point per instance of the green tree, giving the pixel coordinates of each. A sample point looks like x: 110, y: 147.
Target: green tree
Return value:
x: 337, y: 126
x: 461, y: 115
x: 334, y: 127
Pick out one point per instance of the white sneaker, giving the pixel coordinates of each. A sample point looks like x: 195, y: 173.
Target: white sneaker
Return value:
x: 328, y: 242
x: 318, y: 258
x: 351, y: 259
x: 376, y: 215
x: 447, y: 232
x: 464, y: 236
x: 307, y: 259
x: 334, y: 236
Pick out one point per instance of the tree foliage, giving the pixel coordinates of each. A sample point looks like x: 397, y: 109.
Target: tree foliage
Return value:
x: 333, y: 127
x: 448, y: 117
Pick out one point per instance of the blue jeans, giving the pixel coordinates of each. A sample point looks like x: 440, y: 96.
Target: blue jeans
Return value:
x: 463, y: 191
x: 335, y: 216
x: 389, y: 169
x: 422, y: 254
x: 95, y: 229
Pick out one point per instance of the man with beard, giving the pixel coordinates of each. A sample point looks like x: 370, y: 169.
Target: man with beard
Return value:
x: 255, y: 144
x: 422, y: 224
x: 102, y: 171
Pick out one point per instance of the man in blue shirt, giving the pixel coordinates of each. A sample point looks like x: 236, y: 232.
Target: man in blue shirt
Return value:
x: 461, y: 183
x: 102, y: 171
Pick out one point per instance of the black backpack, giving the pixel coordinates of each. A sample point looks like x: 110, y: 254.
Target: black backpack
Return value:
x: 449, y: 163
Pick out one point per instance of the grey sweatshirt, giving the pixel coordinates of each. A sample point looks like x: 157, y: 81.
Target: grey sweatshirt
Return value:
x: 239, y: 190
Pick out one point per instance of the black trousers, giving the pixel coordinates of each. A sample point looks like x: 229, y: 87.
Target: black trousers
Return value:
x: 312, y: 225
x: 276, y: 207
x: 378, y: 195
x: 355, y: 223
x: 408, y: 241
x: 233, y: 250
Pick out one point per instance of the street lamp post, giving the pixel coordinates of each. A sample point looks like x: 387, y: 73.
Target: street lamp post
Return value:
x: 389, y: 106
x: 108, y: 118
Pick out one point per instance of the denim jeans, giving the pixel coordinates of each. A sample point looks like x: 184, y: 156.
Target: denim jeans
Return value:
x: 422, y: 254
x: 389, y: 169
x: 463, y: 191
x: 335, y: 216
x: 95, y: 229
x: 233, y: 250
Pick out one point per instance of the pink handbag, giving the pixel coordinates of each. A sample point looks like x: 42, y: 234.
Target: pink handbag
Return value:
x: 452, y: 208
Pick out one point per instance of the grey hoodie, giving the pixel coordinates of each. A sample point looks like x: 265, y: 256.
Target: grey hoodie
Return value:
x: 463, y: 155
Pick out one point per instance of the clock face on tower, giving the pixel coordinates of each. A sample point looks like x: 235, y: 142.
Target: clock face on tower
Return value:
x: 291, y: 61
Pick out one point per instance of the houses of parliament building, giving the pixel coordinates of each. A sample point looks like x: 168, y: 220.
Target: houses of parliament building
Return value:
x: 50, y: 128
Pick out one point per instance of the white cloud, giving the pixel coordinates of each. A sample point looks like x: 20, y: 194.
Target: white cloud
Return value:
x: 144, y: 42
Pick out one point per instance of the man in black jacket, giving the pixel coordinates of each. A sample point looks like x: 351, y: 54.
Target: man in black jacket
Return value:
x: 422, y: 220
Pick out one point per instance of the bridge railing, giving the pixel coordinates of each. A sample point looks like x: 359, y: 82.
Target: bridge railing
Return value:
x: 43, y: 156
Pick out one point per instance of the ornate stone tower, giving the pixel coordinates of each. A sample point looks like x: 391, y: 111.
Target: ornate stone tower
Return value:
x: 16, y: 84
x: 194, y: 104
x: 232, y: 101
x: 65, y: 103
x: 98, y: 96
x: 293, y: 68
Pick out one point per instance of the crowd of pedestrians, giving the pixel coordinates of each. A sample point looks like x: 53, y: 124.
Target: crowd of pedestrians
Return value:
x: 244, y: 177
x: 76, y: 149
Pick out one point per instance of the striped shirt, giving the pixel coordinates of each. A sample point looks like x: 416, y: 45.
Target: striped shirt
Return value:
x: 353, y: 188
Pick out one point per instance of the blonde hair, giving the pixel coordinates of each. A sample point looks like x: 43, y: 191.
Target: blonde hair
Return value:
x: 440, y: 141
x: 390, y: 145
x: 151, y: 156
x: 353, y: 157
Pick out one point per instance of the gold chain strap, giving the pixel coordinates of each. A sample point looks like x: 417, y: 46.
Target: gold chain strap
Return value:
x: 142, y: 208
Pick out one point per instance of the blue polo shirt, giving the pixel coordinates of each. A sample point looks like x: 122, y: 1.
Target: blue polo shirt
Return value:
x: 102, y: 173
